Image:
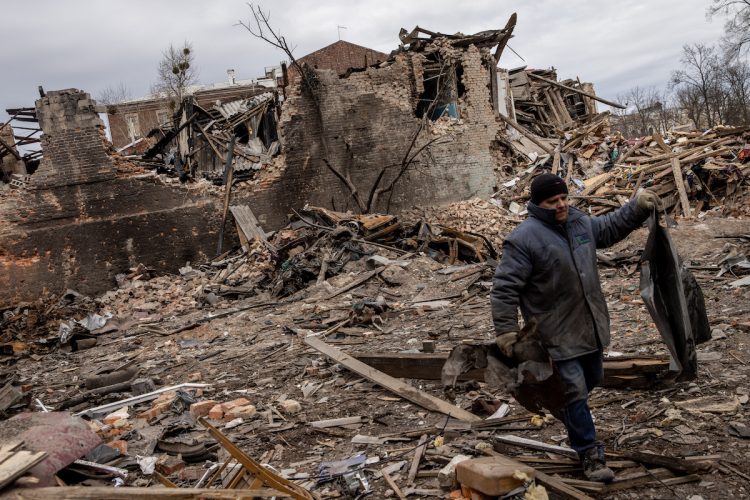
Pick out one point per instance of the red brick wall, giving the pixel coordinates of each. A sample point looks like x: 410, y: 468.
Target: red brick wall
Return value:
x: 72, y: 141
x: 339, y: 57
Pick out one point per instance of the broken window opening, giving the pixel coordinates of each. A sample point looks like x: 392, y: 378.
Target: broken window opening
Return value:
x: 242, y: 133
x: 460, y: 87
x: 134, y: 129
x: 441, y: 92
x: 164, y: 118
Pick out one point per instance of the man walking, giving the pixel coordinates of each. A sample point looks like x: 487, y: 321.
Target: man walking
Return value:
x: 548, y: 268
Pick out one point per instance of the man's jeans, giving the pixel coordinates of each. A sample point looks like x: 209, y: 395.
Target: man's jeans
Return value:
x: 580, y: 375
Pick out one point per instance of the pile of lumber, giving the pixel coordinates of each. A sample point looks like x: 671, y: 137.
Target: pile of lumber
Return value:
x: 547, y: 107
x: 690, y: 171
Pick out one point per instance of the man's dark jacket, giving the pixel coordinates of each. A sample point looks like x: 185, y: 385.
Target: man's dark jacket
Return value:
x: 549, y: 269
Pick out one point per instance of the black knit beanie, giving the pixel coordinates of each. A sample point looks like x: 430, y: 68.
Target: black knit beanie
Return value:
x: 546, y: 186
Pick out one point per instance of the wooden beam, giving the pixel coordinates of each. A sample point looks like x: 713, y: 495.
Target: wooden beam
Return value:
x: 536, y: 445
x: 125, y: 493
x: 677, y: 172
x: 14, y: 464
x: 572, y: 89
x: 418, y: 454
x: 249, y: 225
x: 394, y: 385
x: 526, y: 134
x: 355, y: 283
x: 429, y: 366
x: 392, y: 484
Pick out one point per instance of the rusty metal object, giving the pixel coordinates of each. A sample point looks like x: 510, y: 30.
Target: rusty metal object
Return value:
x: 63, y: 437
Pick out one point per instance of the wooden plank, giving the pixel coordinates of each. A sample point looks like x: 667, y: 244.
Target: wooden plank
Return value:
x: 663, y: 145
x: 249, y: 225
x: 674, y: 464
x: 418, y: 453
x: 428, y: 366
x: 125, y: 493
x: 392, y: 485
x: 394, y: 385
x: 527, y: 134
x: 637, y: 479
x: 335, y: 422
x: 10, y: 446
x: 677, y: 172
x: 355, y: 283
x: 8, y: 396
x: 578, y: 91
x: 536, y: 445
x: 556, y: 162
x: 16, y: 466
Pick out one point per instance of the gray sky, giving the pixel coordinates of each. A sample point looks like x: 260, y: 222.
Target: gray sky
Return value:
x: 92, y: 44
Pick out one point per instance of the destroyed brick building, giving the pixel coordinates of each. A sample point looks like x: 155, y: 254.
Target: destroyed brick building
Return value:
x: 437, y: 121
x: 132, y: 120
x: 340, y: 57
x: 339, y: 328
x: 77, y: 222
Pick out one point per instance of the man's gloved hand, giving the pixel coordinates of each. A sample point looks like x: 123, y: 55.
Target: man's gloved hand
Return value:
x: 505, y: 342
x: 647, y: 200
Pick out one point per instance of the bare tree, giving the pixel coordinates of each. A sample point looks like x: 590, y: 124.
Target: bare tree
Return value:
x: 647, y: 110
x: 689, y: 101
x: 175, y: 72
x: 736, y: 41
x: 701, y: 73
x: 737, y: 80
x: 114, y: 94
x: 260, y: 27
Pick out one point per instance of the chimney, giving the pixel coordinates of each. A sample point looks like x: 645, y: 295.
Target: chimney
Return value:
x: 230, y: 74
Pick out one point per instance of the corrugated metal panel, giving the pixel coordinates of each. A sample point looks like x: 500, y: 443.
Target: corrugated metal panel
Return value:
x: 232, y: 108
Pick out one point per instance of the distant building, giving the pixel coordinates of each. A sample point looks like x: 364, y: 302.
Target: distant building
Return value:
x: 132, y: 120
x: 340, y: 57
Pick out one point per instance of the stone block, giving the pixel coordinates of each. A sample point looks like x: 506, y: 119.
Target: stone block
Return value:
x: 491, y: 476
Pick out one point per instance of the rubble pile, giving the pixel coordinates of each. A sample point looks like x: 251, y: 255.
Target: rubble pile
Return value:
x: 346, y: 355
x: 694, y: 173
x: 546, y: 106
x: 486, y: 217
x: 205, y: 373
x: 199, y: 141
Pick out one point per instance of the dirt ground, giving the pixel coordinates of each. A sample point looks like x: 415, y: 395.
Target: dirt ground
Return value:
x: 258, y: 354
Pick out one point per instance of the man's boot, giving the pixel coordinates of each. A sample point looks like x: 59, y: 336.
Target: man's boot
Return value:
x: 594, y: 466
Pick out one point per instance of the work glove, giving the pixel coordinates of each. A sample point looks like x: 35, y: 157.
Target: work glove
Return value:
x: 647, y: 200
x: 505, y: 342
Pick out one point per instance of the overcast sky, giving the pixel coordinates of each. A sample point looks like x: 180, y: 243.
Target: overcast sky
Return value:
x: 92, y: 44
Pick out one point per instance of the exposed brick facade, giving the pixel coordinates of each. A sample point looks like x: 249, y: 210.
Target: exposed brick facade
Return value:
x: 9, y: 164
x: 368, y: 122
x: 72, y: 136
x: 339, y: 57
x: 77, y: 226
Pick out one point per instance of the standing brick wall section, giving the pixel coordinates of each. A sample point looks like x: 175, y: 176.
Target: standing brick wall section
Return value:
x: 339, y: 57
x: 72, y: 141
x: 368, y: 122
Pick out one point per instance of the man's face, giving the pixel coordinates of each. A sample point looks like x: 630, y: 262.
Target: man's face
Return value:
x: 559, y: 204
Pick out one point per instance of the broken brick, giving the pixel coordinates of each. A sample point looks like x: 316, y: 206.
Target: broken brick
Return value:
x: 169, y: 464
x: 202, y: 408
x: 216, y: 412
x: 246, y: 411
